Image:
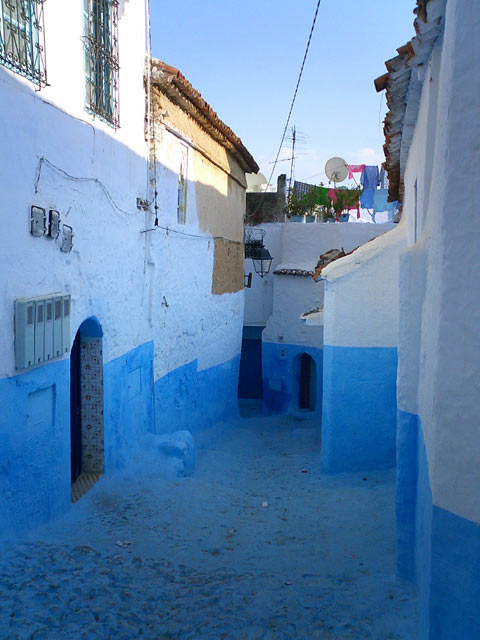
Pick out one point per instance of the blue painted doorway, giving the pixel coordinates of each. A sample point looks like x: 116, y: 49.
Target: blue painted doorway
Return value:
x: 75, y: 411
x: 250, y: 379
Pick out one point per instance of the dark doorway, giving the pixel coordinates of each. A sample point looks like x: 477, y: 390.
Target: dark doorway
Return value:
x: 307, y: 383
x: 250, y: 380
x: 75, y: 411
x: 86, y: 408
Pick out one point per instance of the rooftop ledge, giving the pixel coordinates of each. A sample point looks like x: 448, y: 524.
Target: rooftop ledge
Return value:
x: 313, y: 318
x: 366, y: 252
x: 289, y: 269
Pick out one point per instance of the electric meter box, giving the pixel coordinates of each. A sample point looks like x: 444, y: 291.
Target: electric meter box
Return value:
x: 24, y: 333
x: 42, y: 329
x: 57, y: 327
x: 48, y: 341
x: 39, y: 331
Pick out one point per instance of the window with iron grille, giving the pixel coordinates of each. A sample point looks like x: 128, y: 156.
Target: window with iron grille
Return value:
x: 101, y: 59
x: 22, y: 40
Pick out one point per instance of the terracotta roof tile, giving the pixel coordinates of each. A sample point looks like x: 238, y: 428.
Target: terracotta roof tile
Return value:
x: 403, y: 91
x: 180, y: 91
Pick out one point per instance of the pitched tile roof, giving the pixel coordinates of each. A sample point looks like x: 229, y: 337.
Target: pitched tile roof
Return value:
x: 180, y: 91
x: 293, y: 272
x: 403, y: 90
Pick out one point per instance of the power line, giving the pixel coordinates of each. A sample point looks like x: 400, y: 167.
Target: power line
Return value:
x: 45, y: 161
x: 296, y: 90
x: 293, y: 99
x: 191, y: 235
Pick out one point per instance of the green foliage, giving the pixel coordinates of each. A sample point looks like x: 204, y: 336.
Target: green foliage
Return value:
x: 301, y: 204
x: 318, y: 203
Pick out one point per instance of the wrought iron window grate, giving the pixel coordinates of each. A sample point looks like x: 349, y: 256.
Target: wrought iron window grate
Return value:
x: 101, y: 59
x: 22, y: 39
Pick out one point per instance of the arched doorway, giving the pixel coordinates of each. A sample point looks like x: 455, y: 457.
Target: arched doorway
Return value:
x: 86, y: 408
x: 307, y: 382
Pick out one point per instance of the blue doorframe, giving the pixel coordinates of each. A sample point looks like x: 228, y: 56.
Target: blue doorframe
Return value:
x: 75, y: 410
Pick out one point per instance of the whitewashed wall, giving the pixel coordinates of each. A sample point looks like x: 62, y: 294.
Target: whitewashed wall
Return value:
x: 164, y: 275
x: 438, y: 503
x: 259, y: 298
x: 170, y: 348
x: 91, y: 174
x: 199, y: 325
x: 361, y: 302
x: 300, y: 248
x: 447, y: 226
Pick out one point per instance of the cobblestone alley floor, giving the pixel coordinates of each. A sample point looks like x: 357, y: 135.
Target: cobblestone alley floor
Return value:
x: 207, y: 561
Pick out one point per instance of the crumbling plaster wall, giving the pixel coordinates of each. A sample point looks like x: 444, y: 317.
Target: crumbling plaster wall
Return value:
x: 215, y: 191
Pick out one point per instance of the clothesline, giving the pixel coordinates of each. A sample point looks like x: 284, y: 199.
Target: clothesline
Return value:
x: 366, y: 195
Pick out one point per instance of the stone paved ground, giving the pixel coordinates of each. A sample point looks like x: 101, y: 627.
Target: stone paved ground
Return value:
x: 207, y: 561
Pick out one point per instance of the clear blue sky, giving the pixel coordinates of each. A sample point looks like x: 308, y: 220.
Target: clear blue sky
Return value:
x: 244, y: 58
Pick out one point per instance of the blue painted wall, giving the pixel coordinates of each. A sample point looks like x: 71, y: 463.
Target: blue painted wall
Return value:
x: 437, y: 549
x: 35, y: 424
x: 34, y: 446
x: 406, y: 492
x: 186, y: 398
x: 281, y: 377
x: 35, y: 433
x: 359, y: 420
x: 128, y: 403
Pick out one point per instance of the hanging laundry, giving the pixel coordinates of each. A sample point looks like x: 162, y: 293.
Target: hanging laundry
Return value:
x: 370, y: 177
x: 355, y: 168
x: 380, y: 200
x: 392, y: 209
x: 381, y: 180
x: 346, y: 199
x: 332, y: 195
x: 366, y: 199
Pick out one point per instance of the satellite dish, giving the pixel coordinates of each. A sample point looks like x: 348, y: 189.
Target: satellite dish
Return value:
x: 336, y: 169
x: 255, y: 179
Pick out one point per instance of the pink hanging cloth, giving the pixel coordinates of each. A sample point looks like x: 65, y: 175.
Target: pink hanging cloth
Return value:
x: 355, y: 168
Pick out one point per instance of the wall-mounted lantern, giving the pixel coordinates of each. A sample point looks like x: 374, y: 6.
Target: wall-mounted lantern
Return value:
x: 255, y: 249
x: 262, y: 262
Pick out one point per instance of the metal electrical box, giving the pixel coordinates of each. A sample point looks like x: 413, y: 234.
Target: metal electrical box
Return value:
x: 42, y: 329
x: 57, y: 327
x: 48, y: 329
x: 38, y: 221
x: 24, y: 333
x: 66, y: 324
x: 53, y: 224
x: 39, y: 331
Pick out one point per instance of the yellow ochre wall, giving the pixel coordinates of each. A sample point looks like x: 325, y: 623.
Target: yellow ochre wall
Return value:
x: 220, y: 187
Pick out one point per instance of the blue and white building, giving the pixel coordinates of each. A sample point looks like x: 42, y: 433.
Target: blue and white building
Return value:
x: 414, y: 326
x: 122, y: 302
x: 289, y: 352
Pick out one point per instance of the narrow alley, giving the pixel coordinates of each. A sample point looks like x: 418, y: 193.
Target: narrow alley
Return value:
x: 256, y: 544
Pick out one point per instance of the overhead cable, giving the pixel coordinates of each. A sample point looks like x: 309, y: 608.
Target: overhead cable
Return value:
x: 295, y: 94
